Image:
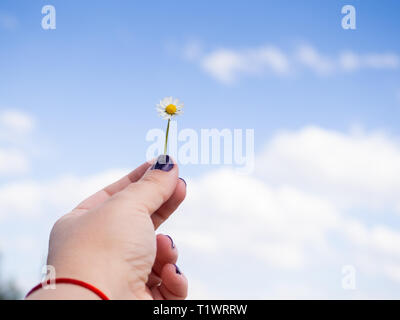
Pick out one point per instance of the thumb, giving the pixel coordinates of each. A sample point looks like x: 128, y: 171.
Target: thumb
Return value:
x: 155, y: 187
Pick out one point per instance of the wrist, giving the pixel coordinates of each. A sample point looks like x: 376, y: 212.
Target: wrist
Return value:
x: 63, y: 291
x: 107, y: 275
x: 94, y: 275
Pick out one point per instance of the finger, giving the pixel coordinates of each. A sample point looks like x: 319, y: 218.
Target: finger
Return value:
x: 154, y: 188
x: 153, y: 280
x: 167, y: 253
x: 174, y: 285
x: 104, y: 194
x: 155, y: 291
x: 170, y: 205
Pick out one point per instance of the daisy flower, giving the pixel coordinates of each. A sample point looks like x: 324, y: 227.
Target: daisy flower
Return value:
x: 167, y: 109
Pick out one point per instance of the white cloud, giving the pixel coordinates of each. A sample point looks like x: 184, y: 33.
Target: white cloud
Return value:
x: 13, y: 161
x: 16, y: 121
x: 26, y: 198
x: 347, y: 61
x: 15, y: 126
x: 296, y: 215
x: 381, y: 61
x: 198, y: 290
x: 279, y: 226
x: 350, y: 169
x: 393, y: 272
x: 193, y: 50
x: 386, y: 240
x: 351, y: 61
x: 223, y: 64
x: 288, y: 227
x: 227, y: 65
x: 310, y: 57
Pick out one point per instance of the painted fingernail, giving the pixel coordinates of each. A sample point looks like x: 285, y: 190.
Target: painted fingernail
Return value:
x: 172, y: 241
x: 164, y: 163
x: 183, y: 181
x: 177, y: 269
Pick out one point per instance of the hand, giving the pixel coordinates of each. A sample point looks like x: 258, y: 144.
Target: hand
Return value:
x: 109, y: 240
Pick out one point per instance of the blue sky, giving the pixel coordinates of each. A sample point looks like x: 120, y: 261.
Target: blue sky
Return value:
x: 114, y: 61
x: 90, y: 88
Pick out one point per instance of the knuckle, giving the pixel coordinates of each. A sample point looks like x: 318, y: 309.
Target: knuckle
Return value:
x: 156, y: 184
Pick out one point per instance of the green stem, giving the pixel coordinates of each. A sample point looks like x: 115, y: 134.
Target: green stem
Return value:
x: 166, y: 137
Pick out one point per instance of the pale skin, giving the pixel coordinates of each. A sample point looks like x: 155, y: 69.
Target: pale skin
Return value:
x: 109, y: 241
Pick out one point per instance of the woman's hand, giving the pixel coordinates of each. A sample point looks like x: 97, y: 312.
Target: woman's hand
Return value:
x: 109, y: 240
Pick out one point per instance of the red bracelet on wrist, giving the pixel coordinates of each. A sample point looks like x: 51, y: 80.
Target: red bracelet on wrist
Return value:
x: 88, y: 286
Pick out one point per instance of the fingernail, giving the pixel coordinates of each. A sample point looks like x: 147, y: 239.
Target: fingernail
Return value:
x: 172, y: 241
x: 163, y: 163
x: 183, y: 181
x: 177, y: 269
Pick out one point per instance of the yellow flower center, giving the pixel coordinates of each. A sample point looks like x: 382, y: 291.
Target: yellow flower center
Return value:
x: 170, y: 109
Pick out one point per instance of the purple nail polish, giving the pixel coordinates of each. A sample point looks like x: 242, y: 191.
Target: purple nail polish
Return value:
x: 177, y: 269
x: 163, y: 163
x: 183, y: 181
x: 172, y: 241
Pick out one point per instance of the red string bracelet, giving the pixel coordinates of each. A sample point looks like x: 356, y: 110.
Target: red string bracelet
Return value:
x: 71, y: 281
